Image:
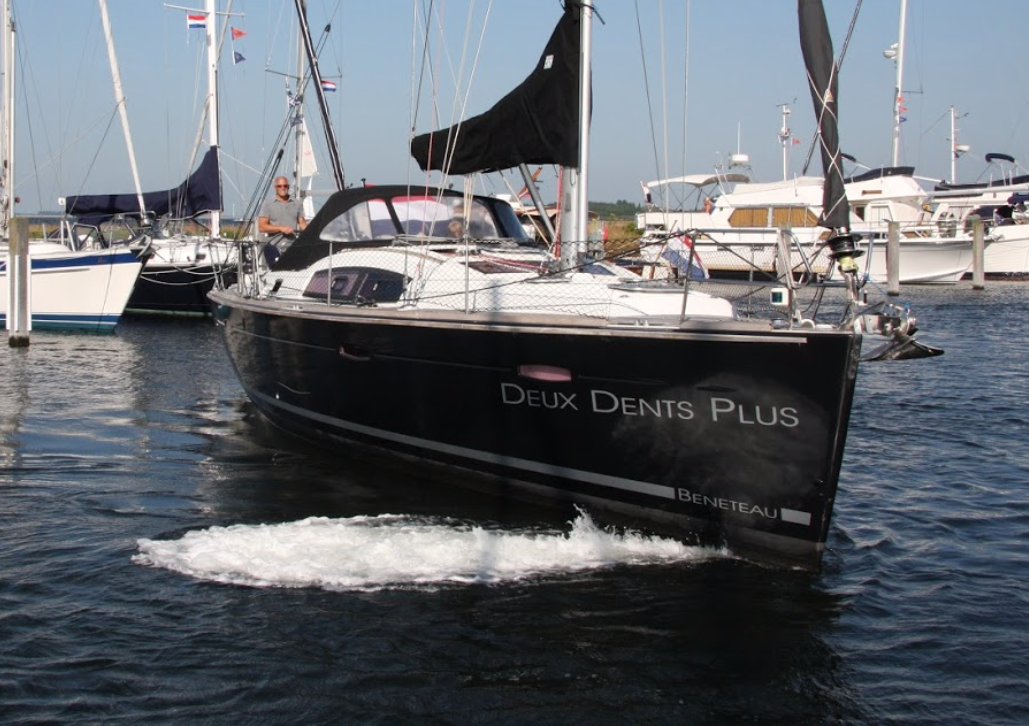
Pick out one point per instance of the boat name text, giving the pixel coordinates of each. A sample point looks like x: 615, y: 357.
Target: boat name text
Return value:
x: 720, y: 409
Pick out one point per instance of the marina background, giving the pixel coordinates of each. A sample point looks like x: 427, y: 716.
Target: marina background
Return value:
x: 650, y: 119
x: 165, y: 556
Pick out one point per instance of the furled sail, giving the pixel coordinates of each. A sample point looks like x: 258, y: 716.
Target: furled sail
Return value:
x: 536, y: 123
x: 822, y: 73
x: 200, y: 193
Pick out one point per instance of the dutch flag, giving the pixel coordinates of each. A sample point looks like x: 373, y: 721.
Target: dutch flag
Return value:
x: 680, y: 254
x: 196, y: 22
x: 328, y: 85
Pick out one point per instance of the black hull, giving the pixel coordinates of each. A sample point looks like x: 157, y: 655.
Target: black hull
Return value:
x: 725, y: 433
x: 173, y: 290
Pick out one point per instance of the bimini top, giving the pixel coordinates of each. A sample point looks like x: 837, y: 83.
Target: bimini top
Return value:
x: 972, y: 186
x: 374, y: 216
x: 880, y: 173
x: 700, y: 180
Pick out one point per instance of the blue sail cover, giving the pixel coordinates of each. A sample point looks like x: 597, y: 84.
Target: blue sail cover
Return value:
x: 200, y: 193
x: 536, y: 123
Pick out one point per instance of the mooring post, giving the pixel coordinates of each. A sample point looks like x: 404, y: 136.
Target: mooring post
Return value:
x: 893, y: 259
x: 19, y: 311
x: 978, y: 252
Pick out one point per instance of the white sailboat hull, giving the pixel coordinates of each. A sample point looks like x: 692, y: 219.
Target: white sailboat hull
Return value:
x: 1009, y: 254
x: 84, y: 290
x: 929, y: 260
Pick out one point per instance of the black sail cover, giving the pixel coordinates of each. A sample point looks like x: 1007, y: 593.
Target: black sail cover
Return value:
x: 536, y: 123
x: 822, y: 73
x: 200, y: 193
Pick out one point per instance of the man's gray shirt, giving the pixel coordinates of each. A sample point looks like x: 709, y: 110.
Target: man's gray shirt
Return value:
x: 281, y: 214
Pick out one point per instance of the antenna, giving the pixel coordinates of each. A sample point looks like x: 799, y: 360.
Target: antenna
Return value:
x: 739, y: 158
x: 956, y: 150
x: 785, y: 135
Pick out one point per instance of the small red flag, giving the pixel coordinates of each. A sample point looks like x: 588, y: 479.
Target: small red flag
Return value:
x: 237, y: 33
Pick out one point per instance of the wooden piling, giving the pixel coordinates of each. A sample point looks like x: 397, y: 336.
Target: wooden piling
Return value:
x: 978, y: 251
x: 19, y: 311
x: 893, y: 259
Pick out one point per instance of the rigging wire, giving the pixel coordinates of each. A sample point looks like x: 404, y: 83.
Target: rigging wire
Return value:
x: 25, y: 72
x: 646, y: 90
x: 815, y: 140
x: 664, y: 84
x: 282, y: 138
x: 432, y: 25
x: 686, y: 83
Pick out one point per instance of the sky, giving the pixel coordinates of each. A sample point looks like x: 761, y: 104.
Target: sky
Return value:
x: 679, y: 86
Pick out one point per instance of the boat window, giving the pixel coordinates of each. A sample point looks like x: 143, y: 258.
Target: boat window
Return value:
x: 878, y: 213
x: 356, y: 285
x: 364, y: 221
x: 447, y: 217
x: 488, y: 266
x: 480, y: 223
x: 510, y: 227
x: 423, y: 215
x: 793, y: 217
x: 87, y: 237
x: 749, y: 217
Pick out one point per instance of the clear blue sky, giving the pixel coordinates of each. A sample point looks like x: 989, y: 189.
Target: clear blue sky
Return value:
x: 744, y: 61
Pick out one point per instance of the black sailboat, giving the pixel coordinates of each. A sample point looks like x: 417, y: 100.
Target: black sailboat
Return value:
x: 476, y: 358
x: 183, y: 265
x: 186, y: 254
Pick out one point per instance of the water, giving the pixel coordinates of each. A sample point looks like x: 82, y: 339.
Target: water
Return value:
x: 164, y: 556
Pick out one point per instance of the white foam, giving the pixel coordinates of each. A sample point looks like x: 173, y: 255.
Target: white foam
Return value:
x: 368, y: 553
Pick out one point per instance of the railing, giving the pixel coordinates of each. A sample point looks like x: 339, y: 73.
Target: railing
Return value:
x: 794, y: 290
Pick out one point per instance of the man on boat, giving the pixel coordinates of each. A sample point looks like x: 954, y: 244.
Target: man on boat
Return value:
x: 456, y: 228
x: 280, y: 219
x: 479, y: 224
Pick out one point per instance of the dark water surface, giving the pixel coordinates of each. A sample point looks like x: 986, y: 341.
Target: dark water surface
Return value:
x: 164, y: 557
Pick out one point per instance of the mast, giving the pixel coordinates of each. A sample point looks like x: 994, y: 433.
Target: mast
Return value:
x: 785, y: 135
x: 823, y: 79
x: 575, y: 202
x: 956, y: 150
x: 299, y: 131
x: 212, y: 95
x: 316, y: 77
x: 304, y: 164
x: 897, y: 54
x: 7, y: 127
x: 123, y: 113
